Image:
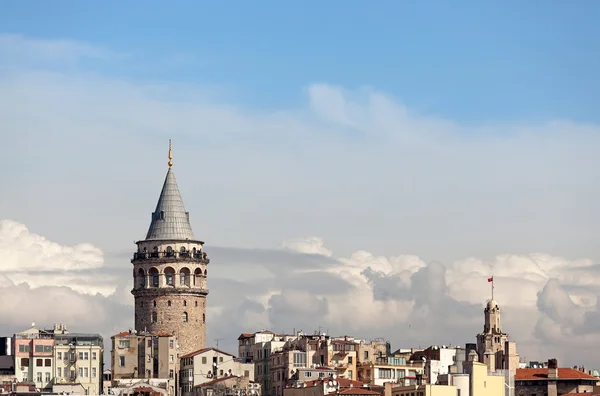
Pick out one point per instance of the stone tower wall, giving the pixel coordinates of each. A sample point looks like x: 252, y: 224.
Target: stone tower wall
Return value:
x: 191, y: 336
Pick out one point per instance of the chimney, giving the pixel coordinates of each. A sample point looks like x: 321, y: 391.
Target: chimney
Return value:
x: 552, y: 368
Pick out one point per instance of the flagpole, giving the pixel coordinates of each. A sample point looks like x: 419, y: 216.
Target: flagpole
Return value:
x: 492, y: 287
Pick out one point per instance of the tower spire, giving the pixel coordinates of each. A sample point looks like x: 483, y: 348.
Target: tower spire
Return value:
x: 170, y: 155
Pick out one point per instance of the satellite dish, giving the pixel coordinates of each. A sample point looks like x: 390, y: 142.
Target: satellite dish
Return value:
x: 334, y: 376
x: 335, y: 383
x: 330, y: 383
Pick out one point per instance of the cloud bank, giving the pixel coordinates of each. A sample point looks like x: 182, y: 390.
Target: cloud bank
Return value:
x: 411, y: 212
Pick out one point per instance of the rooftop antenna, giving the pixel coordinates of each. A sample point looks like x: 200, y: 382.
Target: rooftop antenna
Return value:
x: 170, y: 155
x: 217, y: 341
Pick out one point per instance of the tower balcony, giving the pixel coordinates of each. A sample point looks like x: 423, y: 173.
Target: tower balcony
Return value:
x: 166, y: 256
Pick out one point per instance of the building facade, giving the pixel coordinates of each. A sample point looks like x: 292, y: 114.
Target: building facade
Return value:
x: 144, y: 356
x: 169, y: 273
x: 79, y: 361
x: 210, y: 364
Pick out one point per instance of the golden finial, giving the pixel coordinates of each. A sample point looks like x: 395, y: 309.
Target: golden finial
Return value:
x: 170, y: 155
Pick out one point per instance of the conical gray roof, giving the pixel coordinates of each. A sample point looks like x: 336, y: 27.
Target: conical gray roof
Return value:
x: 170, y: 220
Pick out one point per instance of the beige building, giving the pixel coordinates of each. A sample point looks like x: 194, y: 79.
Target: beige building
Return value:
x: 210, y: 364
x: 381, y: 370
x: 476, y: 381
x: 137, y: 356
x: 257, y: 348
x: 79, y: 361
x: 170, y: 272
x: 228, y: 385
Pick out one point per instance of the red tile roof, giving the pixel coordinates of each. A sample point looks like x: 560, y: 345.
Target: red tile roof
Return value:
x: 200, y: 351
x: 357, y: 391
x: 532, y: 374
x: 245, y: 335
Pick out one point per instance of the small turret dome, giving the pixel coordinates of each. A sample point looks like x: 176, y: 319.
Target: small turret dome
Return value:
x: 492, y: 304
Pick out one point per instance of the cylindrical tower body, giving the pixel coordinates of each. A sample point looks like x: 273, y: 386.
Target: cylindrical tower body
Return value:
x: 170, y: 291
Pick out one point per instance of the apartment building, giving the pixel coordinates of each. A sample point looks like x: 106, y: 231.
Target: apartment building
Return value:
x: 34, y: 359
x: 257, y: 348
x: 137, y: 356
x: 79, y: 361
x: 209, y: 364
x: 384, y: 369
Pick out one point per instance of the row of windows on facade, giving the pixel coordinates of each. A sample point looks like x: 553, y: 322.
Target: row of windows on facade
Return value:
x: 48, y: 362
x: 127, y: 343
x: 184, y: 276
x: 169, y: 303
x: 185, y: 317
x: 190, y: 361
x: 83, y: 373
x: 171, y: 359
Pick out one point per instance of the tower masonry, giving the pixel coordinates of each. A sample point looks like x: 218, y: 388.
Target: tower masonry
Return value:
x: 169, y: 273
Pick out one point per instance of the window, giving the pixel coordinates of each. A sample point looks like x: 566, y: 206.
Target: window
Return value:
x: 94, y: 357
x: 203, y: 359
x: 171, y: 360
x: 80, y: 355
x: 154, y: 317
x: 246, y: 373
x: 122, y: 344
x: 196, y: 303
x: 169, y: 277
x: 59, y: 372
x: 185, y: 317
x: 39, y: 377
x: 184, y: 303
x: 47, y: 377
x: 121, y: 361
x: 80, y: 372
x: 169, y: 303
x: 149, y: 343
x: 93, y: 372
x: 307, y: 374
x: 203, y: 318
x: 155, y: 279
x: 182, y: 279
x: 25, y: 362
x: 349, y: 359
x: 85, y: 372
x: 171, y: 343
x: 39, y: 348
x: 86, y: 356
x: 366, y: 355
x: 220, y: 359
x: 171, y: 373
x: 39, y: 363
x: 154, y: 303
x: 23, y: 348
x: 48, y: 362
x: 59, y: 355
x: 299, y: 359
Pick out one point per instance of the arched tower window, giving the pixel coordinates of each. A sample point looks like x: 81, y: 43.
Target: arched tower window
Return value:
x: 154, y: 275
x: 169, y: 276
x: 154, y: 317
x: 205, y: 272
x: 169, y: 251
x: 185, y: 317
x: 154, y: 252
x: 169, y: 303
x: 141, y: 278
x: 184, y: 277
x: 203, y: 318
x: 154, y: 303
x: 184, y: 303
x: 197, y: 275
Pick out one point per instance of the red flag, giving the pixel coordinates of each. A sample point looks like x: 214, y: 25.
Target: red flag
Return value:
x: 491, y: 279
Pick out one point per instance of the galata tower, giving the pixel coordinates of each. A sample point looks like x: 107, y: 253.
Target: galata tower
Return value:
x: 169, y: 273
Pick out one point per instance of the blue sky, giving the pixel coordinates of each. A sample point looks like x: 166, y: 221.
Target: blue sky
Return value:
x: 472, y: 62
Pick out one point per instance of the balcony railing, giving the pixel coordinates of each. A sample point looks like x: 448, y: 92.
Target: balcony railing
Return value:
x: 202, y: 256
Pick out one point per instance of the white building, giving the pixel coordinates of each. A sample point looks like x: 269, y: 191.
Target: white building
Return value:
x: 208, y: 364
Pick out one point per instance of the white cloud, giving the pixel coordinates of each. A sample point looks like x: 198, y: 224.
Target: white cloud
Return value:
x: 392, y: 191
x: 24, y: 251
